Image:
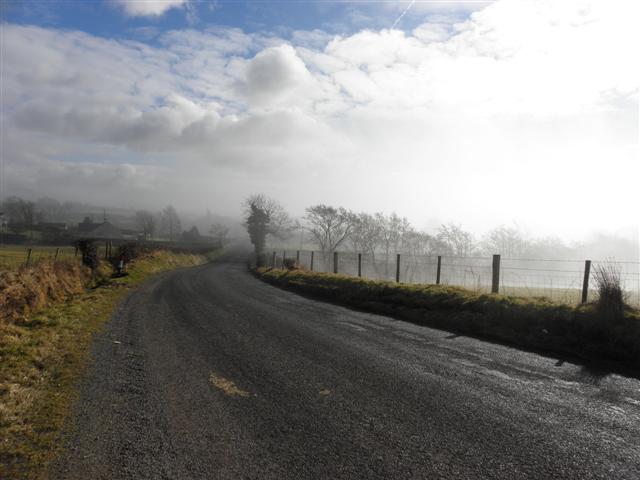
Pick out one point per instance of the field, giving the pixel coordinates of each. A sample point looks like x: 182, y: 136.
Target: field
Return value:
x: 15, y: 256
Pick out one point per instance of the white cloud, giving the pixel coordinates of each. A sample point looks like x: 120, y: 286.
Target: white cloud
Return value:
x: 148, y: 8
x: 523, y: 97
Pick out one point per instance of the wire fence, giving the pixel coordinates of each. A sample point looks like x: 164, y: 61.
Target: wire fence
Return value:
x: 557, y: 280
x: 13, y: 257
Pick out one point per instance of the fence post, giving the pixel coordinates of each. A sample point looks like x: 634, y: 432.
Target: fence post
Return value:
x: 28, y: 257
x: 55, y: 257
x: 585, y: 281
x: 297, y: 257
x: 359, y: 265
x: 495, y: 280
x: 398, y: 268
x: 106, y: 249
x: 438, y: 270
x: 311, y: 263
x: 284, y: 255
x: 335, y: 262
x: 273, y: 261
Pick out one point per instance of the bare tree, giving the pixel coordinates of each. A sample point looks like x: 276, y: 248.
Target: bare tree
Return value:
x: 456, y: 240
x: 264, y: 217
x: 365, y: 234
x: 329, y: 226
x: 20, y: 213
x: 506, y: 241
x: 171, y: 222
x: 393, y: 230
x: 27, y: 213
x: 147, y: 222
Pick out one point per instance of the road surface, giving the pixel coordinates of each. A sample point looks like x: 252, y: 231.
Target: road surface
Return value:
x: 208, y: 373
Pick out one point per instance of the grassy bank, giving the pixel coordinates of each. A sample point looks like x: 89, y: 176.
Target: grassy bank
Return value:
x: 43, y: 350
x: 584, y: 331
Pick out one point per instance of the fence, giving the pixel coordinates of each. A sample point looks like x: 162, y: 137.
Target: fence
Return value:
x: 565, y: 281
x: 12, y: 257
x: 16, y: 256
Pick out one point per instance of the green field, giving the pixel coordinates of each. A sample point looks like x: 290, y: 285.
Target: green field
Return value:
x: 15, y: 256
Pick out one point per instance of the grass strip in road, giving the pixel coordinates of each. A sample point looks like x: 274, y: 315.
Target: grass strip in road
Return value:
x: 42, y: 356
x: 538, y: 324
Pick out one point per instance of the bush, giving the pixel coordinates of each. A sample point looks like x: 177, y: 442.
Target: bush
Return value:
x: 611, y: 295
x: 129, y: 251
x: 89, y: 253
x: 291, y: 264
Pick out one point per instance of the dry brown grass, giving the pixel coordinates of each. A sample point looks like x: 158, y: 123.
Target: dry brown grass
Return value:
x: 34, y: 287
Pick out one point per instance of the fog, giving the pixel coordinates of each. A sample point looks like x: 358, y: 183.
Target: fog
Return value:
x: 515, y: 113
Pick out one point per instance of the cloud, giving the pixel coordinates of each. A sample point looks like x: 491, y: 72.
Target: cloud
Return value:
x: 484, y: 111
x: 148, y: 8
x: 277, y: 75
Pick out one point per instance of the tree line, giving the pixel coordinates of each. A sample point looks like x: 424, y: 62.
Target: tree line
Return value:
x: 383, y: 235
x: 21, y: 216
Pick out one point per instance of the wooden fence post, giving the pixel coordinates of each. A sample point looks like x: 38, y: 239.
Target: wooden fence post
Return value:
x: 438, y: 270
x: 55, y: 257
x: 335, y: 262
x: 359, y: 265
x: 311, y: 263
x: 297, y: 256
x: 273, y: 261
x: 398, y: 268
x: 495, y: 277
x: 585, y: 281
x: 28, y: 257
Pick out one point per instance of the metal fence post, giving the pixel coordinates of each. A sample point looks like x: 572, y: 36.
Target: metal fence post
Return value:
x: 438, y: 270
x: 359, y: 265
x: 28, y: 257
x: 335, y: 262
x: 398, y: 268
x: 311, y: 263
x: 495, y: 277
x: 585, y: 281
x: 56, y: 255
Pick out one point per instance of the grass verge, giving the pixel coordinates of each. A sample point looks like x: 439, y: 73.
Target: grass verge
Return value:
x: 42, y: 356
x: 530, y: 323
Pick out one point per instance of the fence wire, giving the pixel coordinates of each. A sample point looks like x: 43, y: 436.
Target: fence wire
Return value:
x: 554, y: 279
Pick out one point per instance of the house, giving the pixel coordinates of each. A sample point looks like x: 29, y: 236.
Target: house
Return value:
x: 99, y: 231
x: 191, y: 236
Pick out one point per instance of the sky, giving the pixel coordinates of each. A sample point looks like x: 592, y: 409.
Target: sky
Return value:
x: 506, y: 112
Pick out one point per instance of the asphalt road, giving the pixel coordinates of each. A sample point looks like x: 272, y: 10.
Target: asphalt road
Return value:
x: 208, y: 373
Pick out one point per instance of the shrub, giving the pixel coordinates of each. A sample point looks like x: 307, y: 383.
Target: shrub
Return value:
x: 291, y: 264
x: 611, y: 295
x: 89, y: 253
